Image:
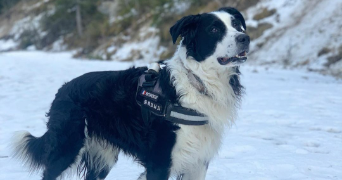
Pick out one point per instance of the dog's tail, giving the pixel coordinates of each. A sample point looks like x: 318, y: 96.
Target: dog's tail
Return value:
x: 32, y: 150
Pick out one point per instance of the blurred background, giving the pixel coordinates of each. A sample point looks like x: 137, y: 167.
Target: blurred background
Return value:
x: 304, y: 34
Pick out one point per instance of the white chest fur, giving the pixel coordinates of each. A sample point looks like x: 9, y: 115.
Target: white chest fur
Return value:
x: 195, y: 145
x: 219, y: 104
x: 198, y: 144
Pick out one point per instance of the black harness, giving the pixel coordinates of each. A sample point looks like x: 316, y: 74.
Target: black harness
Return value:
x: 152, y: 100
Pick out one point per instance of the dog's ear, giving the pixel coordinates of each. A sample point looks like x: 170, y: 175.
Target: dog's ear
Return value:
x: 185, y: 27
x: 237, y: 15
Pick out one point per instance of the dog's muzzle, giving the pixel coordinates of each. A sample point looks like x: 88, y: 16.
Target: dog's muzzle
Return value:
x: 242, y: 43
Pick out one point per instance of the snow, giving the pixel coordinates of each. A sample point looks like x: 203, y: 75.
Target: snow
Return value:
x: 337, y: 68
x: 6, y: 45
x: 179, y: 7
x: 300, y: 30
x: 289, y: 126
x: 58, y: 45
x: 146, y: 49
x: 36, y: 5
x: 27, y: 23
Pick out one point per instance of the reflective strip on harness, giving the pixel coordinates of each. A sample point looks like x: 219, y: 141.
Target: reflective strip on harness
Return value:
x: 187, y: 117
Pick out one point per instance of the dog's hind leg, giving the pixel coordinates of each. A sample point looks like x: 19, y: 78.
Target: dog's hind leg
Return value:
x: 63, y: 155
x: 59, y: 163
x: 54, y: 152
x: 66, y: 126
x: 99, y: 158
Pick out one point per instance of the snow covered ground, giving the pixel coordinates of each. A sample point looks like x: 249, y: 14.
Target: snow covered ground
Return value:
x: 290, y: 124
x: 301, y: 29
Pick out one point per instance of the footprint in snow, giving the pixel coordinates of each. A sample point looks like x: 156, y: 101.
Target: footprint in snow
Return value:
x: 329, y: 130
x: 312, y: 144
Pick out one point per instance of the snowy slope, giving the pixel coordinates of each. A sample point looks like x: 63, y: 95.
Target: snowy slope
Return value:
x: 289, y: 127
x: 301, y: 29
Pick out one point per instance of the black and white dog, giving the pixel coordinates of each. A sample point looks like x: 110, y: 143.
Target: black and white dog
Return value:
x: 95, y: 117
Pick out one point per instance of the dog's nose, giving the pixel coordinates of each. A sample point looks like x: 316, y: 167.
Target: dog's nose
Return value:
x: 243, y: 39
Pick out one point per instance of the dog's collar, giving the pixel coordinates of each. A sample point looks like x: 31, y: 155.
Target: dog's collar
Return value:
x: 152, y: 100
x: 195, y: 81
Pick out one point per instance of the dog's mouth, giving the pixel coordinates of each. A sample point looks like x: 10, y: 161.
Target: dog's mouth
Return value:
x: 240, y: 58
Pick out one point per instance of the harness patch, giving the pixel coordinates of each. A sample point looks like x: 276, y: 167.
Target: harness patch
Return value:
x: 149, y: 95
x: 153, y: 105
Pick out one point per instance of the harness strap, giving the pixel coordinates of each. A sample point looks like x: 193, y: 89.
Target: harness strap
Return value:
x: 152, y: 101
x: 146, y: 114
x: 181, y: 115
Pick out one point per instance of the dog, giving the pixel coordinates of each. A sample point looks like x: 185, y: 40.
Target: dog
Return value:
x: 94, y: 117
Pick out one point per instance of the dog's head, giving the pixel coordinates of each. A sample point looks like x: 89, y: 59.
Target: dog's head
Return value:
x: 217, y: 38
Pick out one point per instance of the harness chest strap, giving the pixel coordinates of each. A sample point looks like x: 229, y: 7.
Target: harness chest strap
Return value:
x: 152, y: 100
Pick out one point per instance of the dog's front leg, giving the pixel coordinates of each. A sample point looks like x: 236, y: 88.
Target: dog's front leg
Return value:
x: 197, y: 173
x: 155, y: 174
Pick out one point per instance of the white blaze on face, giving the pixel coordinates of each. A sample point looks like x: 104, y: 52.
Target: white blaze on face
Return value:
x: 227, y: 47
x: 225, y: 18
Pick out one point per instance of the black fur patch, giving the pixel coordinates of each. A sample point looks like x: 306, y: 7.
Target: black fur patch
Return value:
x: 236, y: 14
x: 200, y: 34
x: 107, y: 101
x: 236, y: 85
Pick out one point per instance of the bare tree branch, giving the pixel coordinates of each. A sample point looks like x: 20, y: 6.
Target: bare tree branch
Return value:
x: 79, y: 18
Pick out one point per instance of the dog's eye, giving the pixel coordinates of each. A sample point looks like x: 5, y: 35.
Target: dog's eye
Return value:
x: 214, y: 30
x: 235, y: 24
